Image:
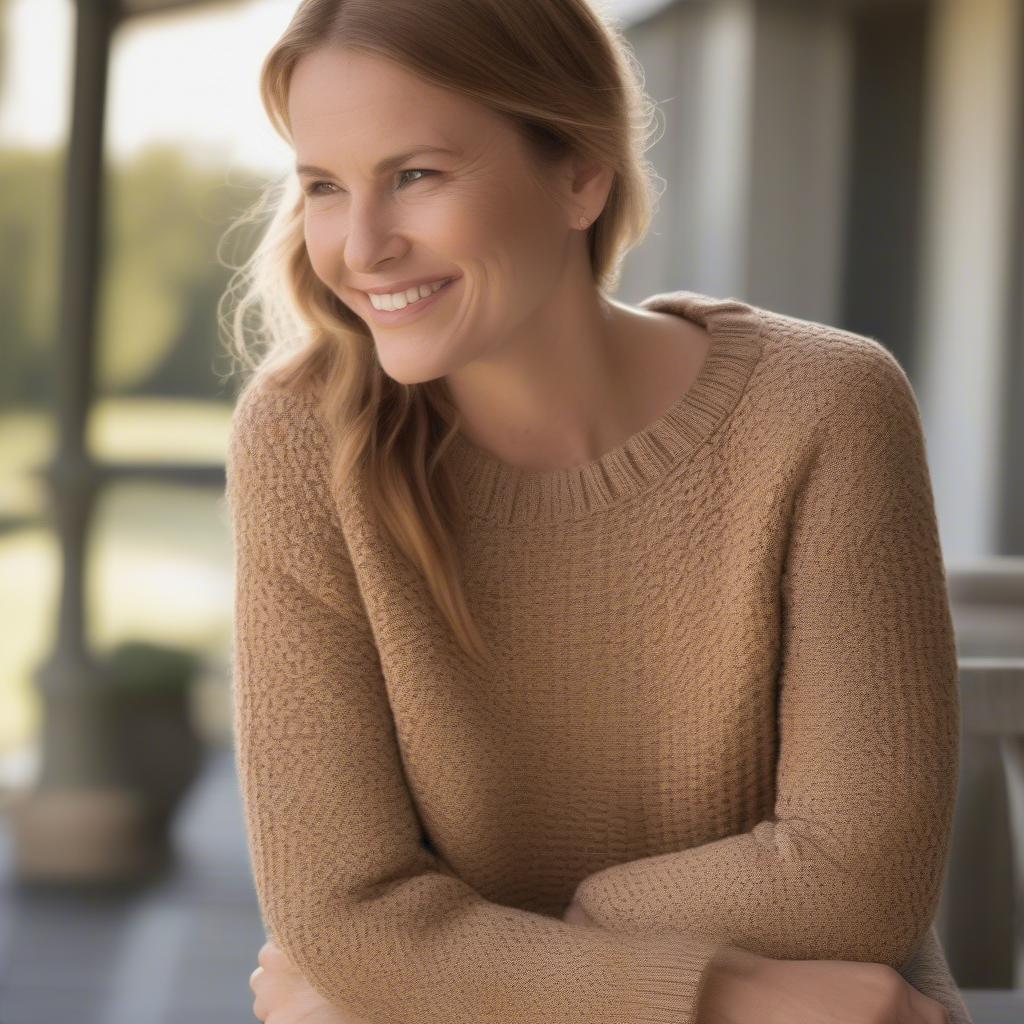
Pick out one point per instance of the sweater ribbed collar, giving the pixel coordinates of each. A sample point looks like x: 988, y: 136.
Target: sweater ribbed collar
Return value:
x: 504, y: 493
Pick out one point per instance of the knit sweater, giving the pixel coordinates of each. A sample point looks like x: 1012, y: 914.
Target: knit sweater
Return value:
x: 722, y: 709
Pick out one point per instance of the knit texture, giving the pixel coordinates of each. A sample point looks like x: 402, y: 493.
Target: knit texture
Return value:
x: 723, y: 706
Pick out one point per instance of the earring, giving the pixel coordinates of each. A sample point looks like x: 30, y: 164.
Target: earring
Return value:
x: 583, y: 222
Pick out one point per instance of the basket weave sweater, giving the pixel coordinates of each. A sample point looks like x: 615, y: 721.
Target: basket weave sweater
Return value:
x: 723, y: 706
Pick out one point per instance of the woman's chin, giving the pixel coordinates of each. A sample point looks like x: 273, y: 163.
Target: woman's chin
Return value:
x: 406, y: 367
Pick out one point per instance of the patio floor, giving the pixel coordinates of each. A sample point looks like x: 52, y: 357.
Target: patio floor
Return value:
x: 179, y: 950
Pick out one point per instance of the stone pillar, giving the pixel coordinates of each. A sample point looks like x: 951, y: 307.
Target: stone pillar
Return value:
x: 79, y: 822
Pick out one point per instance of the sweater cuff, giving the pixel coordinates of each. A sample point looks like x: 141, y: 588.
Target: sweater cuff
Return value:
x: 665, y: 979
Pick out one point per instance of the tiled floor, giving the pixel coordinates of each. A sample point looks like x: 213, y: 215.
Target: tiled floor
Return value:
x: 181, y: 950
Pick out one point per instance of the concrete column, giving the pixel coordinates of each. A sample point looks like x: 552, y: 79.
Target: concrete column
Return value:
x: 796, y: 159
x: 755, y: 98
x: 971, y: 171
x: 724, y: 147
x: 80, y: 822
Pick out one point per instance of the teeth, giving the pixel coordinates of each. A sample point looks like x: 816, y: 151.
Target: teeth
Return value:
x: 399, y: 300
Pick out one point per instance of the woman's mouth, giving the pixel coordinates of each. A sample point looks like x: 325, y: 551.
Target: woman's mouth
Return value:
x: 427, y: 297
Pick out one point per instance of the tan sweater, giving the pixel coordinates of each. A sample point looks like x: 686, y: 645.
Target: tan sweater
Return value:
x: 724, y: 706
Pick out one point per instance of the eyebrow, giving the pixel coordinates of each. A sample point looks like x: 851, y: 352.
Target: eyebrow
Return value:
x: 383, y: 165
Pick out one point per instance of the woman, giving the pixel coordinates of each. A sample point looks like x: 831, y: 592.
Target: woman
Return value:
x: 592, y: 663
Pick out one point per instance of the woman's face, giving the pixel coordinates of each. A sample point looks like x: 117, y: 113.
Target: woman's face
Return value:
x: 473, y: 213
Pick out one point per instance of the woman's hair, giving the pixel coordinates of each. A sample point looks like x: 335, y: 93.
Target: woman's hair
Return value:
x: 568, y: 81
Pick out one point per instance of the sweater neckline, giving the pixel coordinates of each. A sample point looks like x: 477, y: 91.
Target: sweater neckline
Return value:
x: 501, y: 492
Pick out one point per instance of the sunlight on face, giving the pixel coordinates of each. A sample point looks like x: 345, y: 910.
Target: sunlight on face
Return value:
x: 475, y: 213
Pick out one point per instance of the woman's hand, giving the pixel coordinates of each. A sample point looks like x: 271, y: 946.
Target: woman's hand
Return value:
x: 283, y: 996
x: 744, y: 988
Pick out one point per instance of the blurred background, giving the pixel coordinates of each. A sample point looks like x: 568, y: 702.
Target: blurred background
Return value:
x: 853, y: 162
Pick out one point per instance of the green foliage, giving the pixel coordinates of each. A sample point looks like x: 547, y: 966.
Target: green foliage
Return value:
x: 141, y: 667
x: 159, y: 280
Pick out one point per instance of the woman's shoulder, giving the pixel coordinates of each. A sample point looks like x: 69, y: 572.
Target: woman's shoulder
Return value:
x: 831, y: 368
x: 264, y: 408
x: 276, y: 440
x: 829, y: 350
x: 801, y: 367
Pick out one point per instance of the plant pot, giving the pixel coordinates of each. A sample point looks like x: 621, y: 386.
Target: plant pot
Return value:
x: 158, y: 750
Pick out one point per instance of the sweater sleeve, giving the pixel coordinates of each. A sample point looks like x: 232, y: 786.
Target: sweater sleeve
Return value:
x: 850, y: 864
x: 372, y: 917
x: 928, y: 971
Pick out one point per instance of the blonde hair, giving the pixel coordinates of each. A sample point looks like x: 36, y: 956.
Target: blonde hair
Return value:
x: 568, y: 81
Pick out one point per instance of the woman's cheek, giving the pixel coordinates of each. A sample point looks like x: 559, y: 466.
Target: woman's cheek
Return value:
x: 323, y: 244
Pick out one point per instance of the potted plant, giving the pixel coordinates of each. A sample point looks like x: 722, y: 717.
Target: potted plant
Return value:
x: 158, y: 750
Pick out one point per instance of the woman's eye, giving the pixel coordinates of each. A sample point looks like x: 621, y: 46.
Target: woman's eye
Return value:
x: 314, y: 189
x: 416, y: 170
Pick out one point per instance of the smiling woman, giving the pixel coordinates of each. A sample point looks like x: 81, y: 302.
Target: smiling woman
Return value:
x: 593, y: 664
x: 510, y: 183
